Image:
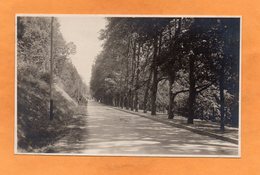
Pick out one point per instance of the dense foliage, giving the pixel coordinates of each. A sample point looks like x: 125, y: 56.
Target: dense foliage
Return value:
x: 33, y: 78
x: 186, y: 66
x: 33, y: 50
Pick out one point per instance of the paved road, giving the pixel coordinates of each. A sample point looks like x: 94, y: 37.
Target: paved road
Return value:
x: 107, y: 131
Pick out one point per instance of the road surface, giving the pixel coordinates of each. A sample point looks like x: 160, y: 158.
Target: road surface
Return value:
x: 107, y: 131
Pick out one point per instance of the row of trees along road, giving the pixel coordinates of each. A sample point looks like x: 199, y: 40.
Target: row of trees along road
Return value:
x: 186, y: 66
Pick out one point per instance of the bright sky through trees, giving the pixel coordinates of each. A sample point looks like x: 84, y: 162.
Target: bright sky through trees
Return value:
x: 83, y: 31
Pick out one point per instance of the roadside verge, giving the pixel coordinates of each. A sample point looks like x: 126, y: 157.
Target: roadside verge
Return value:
x: 230, y: 134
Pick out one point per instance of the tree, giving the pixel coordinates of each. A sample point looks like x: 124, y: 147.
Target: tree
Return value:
x: 142, y: 57
x: 33, y: 34
x: 226, y: 62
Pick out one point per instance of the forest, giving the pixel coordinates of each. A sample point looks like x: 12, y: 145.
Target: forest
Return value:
x: 179, y: 66
x: 34, y: 129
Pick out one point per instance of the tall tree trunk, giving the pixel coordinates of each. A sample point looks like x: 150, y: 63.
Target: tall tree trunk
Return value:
x: 172, y: 72
x: 136, y: 92
x: 137, y: 79
x: 126, y: 99
x: 154, y: 90
x: 147, y: 92
x: 129, y: 101
x: 118, y: 100
x: 192, y: 90
x: 171, y: 97
x: 234, y: 112
x: 125, y: 102
x: 133, y: 78
x: 222, y: 98
x: 155, y: 74
x: 121, y: 100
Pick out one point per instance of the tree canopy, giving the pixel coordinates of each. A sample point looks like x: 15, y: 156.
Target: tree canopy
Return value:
x: 186, y: 66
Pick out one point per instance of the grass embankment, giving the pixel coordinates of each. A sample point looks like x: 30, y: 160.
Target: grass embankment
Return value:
x: 35, y: 130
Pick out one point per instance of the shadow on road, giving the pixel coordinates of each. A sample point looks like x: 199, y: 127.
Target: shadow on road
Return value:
x: 102, y: 130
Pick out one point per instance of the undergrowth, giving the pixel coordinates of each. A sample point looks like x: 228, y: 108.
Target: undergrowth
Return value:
x: 34, y: 129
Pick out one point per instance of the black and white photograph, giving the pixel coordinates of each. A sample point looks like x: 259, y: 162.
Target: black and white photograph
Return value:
x: 128, y: 85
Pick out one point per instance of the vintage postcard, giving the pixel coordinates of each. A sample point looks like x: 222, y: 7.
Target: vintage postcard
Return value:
x: 128, y: 85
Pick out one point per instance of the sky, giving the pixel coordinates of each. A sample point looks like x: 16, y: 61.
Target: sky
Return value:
x: 83, y: 31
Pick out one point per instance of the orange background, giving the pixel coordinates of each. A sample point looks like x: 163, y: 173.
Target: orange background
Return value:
x: 11, y: 164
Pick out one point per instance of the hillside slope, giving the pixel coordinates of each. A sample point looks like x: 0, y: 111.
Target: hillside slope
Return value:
x: 35, y: 130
